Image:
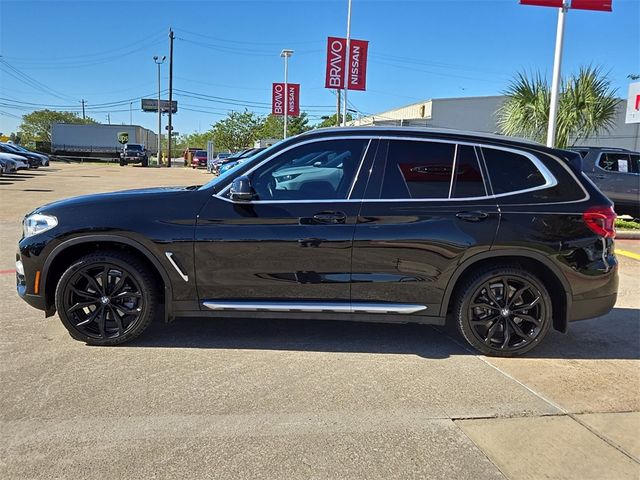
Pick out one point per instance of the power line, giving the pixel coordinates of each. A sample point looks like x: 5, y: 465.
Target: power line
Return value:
x: 32, y: 82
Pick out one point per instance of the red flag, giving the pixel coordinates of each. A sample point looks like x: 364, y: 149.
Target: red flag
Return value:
x: 293, y: 100
x: 543, y: 3
x: 277, y: 99
x: 336, y: 53
x: 599, y: 5
x: 358, y: 64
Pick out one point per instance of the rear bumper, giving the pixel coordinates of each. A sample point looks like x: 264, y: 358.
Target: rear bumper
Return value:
x: 592, y: 307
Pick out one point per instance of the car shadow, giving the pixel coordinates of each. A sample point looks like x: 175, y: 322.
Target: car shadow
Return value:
x: 613, y: 336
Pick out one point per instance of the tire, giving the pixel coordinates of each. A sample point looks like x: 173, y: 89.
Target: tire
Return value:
x: 145, y: 162
x: 112, y: 317
x: 497, y: 327
x: 122, y: 162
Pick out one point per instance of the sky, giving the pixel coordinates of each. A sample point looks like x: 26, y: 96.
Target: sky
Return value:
x: 227, y: 53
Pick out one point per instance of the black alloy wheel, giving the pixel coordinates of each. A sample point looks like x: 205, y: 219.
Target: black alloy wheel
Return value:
x: 504, y: 312
x: 106, y: 299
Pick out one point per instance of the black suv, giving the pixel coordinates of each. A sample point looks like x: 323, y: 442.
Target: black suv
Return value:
x: 502, y: 237
x: 134, y: 153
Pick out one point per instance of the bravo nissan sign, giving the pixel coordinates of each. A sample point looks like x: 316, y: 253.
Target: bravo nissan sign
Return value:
x: 278, y: 99
x: 338, y: 61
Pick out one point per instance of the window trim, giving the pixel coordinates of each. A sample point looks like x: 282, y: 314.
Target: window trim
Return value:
x: 298, y: 144
x: 550, y: 180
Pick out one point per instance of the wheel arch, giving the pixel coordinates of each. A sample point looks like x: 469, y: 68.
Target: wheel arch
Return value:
x: 74, y: 248
x: 557, y: 285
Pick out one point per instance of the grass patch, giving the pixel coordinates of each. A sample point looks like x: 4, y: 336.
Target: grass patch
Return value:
x: 622, y: 224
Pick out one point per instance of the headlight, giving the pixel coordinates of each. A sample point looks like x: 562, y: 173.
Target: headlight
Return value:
x: 38, y: 223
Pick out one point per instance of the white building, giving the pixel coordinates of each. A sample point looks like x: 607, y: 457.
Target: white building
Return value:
x: 479, y: 114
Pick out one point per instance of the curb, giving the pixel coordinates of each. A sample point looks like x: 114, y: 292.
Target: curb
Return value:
x: 628, y: 235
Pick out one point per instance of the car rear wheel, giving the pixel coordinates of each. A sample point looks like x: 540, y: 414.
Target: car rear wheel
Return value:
x: 145, y: 162
x: 503, y: 311
x: 106, y: 298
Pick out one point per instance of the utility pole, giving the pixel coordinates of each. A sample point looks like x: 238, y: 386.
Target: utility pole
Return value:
x: 159, y: 61
x: 83, y: 115
x: 346, y: 66
x: 338, y: 92
x: 171, y: 37
x: 109, y: 118
x: 130, y: 113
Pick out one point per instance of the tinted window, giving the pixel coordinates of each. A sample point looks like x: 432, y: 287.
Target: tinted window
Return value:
x: 292, y: 176
x: 467, y: 181
x: 615, y: 162
x: 511, y: 172
x: 201, y: 153
x: 635, y: 163
x: 417, y: 169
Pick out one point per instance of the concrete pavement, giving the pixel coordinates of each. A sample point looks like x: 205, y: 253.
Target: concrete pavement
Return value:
x: 288, y: 399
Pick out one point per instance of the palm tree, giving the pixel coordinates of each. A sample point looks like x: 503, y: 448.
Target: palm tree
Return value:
x: 587, y: 106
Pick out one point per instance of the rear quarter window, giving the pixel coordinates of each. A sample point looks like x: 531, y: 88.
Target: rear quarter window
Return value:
x: 511, y: 172
x: 564, y: 187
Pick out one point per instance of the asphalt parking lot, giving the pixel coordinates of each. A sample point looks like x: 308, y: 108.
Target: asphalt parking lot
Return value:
x: 288, y: 399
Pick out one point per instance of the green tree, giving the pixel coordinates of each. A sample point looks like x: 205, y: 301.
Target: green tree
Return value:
x: 330, y: 121
x: 586, y: 106
x: 298, y: 125
x: 273, y: 126
x: 237, y: 131
x: 36, y: 126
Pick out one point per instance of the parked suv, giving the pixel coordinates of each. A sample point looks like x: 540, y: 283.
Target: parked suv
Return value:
x: 616, y: 172
x: 134, y: 153
x: 504, y: 238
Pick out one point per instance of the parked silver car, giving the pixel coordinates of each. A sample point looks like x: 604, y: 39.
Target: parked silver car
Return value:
x: 16, y: 160
x: 616, y: 172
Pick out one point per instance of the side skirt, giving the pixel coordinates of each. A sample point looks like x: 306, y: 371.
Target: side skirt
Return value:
x: 348, y: 317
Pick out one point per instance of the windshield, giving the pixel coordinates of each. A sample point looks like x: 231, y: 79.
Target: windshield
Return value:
x: 222, y: 178
x: 201, y: 153
x: 134, y: 146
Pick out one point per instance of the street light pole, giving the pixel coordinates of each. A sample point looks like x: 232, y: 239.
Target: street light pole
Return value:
x: 555, y: 83
x: 286, y: 53
x: 159, y: 61
x: 346, y: 66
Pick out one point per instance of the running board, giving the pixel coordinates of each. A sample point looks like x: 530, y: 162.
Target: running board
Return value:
x: 404, y: 308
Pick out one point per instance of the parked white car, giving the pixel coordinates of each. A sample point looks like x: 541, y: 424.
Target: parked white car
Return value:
x: 21, y: 164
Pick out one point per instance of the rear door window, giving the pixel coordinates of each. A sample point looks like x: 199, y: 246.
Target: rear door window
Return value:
x: 615, y: 162
x: 467, y: 181
x: 510, y: 171
x: 418, y: 169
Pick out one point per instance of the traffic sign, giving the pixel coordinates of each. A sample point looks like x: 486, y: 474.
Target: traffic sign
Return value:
x: 633, y: 103
x: 151, y: 105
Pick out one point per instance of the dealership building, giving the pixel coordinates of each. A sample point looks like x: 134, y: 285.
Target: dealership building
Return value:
x: 479, y: 114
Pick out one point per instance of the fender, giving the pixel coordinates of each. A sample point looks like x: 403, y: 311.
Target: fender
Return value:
x: 497, y: 254
x: 168, y: 290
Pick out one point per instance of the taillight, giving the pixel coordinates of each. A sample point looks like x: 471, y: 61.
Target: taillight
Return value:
x: 601, y: 221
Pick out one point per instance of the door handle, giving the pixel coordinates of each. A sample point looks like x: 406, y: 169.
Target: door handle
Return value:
x: 330, y: 217
x: 472, y: 216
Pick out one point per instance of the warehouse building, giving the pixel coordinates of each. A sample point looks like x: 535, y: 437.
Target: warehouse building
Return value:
x: 479, y: 114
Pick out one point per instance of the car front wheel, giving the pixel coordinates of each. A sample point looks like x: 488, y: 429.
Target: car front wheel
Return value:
x: 106, y: 298
x: 503, y: 311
